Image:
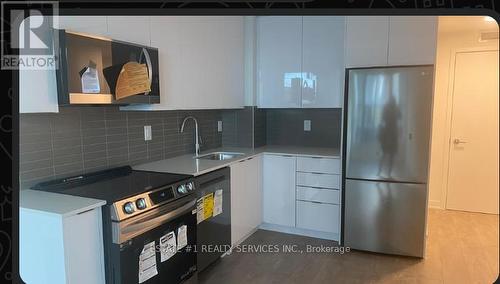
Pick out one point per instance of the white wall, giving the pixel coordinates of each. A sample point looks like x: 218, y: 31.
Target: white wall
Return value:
x: 453, y: 33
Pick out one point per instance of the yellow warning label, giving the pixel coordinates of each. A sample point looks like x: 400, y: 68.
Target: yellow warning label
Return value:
x: 208, y: 205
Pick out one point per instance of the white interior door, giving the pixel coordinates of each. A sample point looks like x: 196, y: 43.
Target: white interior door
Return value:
x: 473, y: 161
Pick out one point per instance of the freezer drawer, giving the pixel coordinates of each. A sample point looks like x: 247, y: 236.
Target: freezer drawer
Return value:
x: 318, y: 165
x: 323, y: 195
x: 385, y: 217
x: 318, y: 180
x: 318, y: 216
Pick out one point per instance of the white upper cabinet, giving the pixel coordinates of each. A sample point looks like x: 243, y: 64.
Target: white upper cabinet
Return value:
x: 201, y: 58
x: 37, y: 89
x: 95, y: 25
x: 300, y: 61
x: 367, y: 38
x: 412, y: 40
x: 212, y: 52
x: 201, y: 62
x: 390, y: 41
x: 279, y: 57
x: 323, y: 61
x: 135, y: 29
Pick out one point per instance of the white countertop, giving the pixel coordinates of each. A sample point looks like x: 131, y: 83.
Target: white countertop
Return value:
x: 55, y: 203
x: 186, y: 164
x: 67, y: 205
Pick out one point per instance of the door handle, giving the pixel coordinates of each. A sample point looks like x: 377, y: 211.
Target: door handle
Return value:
x: 457, y: 141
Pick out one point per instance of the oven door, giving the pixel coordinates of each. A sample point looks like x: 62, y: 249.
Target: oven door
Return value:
x: 156, y: 247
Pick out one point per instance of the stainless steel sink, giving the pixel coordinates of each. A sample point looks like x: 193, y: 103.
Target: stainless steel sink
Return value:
x: 219, y: 156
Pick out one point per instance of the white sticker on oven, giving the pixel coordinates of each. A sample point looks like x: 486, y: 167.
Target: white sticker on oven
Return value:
x: 147, y: 262
x: 168, y: 246
x: 217, y: 202
x: 199, y: 211
x: 181, y: 237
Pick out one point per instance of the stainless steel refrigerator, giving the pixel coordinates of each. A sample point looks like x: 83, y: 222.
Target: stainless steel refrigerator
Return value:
x: 386, y: 144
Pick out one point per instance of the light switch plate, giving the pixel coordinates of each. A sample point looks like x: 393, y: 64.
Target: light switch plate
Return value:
x: 307, y: 125
x: 148, y: 135
x: 219, y: 126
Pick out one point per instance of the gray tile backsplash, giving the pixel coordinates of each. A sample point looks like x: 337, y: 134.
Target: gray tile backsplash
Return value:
x: 286, y: 127
x: 237, y: 126
x: 259, y: 127
x: 85, y: 139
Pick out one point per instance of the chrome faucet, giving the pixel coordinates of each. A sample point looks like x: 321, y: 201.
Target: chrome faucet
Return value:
x: 197, y: 144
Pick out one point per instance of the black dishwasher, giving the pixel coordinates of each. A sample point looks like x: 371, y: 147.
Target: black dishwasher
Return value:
x: 214, y: 216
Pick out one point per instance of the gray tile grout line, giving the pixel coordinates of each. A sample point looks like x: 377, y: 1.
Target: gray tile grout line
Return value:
x: 106, y: 137
x: 35, y: 161
x: 163, y: 135
x: 128, y: 138
x: 52, y: 145
x: 253, y: 127
x: 81, y: 138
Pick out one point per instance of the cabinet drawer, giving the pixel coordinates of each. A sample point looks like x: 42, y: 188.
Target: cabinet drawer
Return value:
x: 318, y: 180
x: 318, y: 216
x: 318, y: 165
x: 318, y: 194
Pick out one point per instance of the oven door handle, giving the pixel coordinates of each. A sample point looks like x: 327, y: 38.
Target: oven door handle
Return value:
x: 124, y: 232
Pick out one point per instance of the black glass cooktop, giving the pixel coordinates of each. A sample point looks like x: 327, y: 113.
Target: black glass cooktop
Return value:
x: 111, y: 185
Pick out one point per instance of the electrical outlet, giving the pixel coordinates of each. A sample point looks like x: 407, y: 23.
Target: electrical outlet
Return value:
x: 148, y: 135
x: 307, y: 125
x: 219, y: 126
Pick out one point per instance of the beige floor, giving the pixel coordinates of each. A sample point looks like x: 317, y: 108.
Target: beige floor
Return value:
x: 461, y: 248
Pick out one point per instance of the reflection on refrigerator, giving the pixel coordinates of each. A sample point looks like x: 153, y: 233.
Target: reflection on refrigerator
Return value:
x: 387, y: 146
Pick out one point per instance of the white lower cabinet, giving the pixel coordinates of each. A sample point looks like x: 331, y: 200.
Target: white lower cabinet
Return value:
x: 318, y: 180
x: 279, y: 190
x: 318, y: 194
x: 266, y: 191
x: 73, y: 244
x: 246, y: 198
x: 301, y: 195
x: 317, y: 216
x: 318, y: 165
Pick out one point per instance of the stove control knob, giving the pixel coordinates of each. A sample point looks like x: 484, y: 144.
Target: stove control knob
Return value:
x: 129, y: 207
x: 141, y: 203
x: 182, y: 189
x: 190, y: 186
